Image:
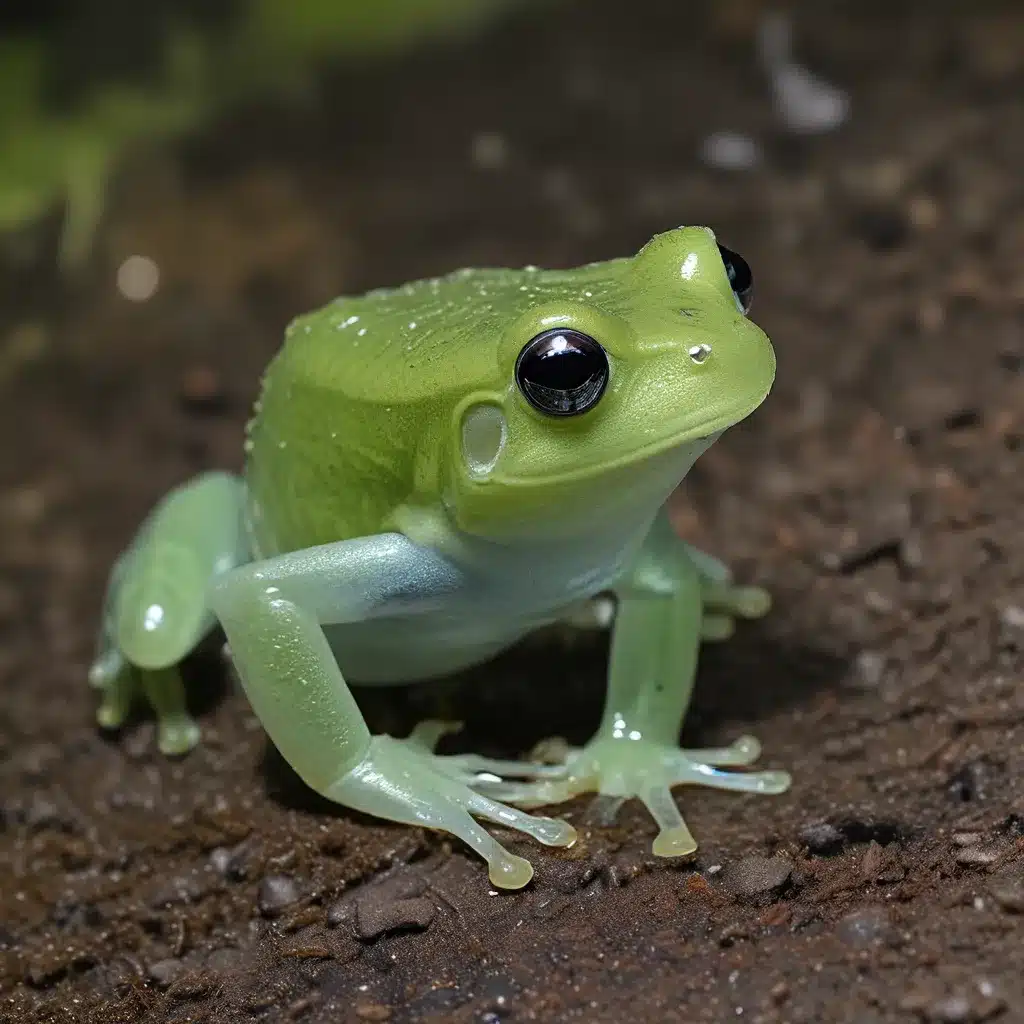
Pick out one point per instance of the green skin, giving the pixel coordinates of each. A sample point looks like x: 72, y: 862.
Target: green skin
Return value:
x: 406, y: 513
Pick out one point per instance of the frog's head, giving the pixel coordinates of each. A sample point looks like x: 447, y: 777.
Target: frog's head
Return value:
x: 612, y: 378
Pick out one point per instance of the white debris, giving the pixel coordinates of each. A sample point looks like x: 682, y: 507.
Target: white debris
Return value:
x: 730, y: 151
x: 806, y: 103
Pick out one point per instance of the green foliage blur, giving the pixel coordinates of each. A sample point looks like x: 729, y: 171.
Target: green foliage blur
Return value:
x: 83, y: 81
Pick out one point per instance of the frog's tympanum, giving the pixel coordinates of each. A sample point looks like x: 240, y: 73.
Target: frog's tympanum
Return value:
x: 434, y: 472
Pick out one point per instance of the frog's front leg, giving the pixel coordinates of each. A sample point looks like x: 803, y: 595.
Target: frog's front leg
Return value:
x: 273, y: 613
x: 655, y: 640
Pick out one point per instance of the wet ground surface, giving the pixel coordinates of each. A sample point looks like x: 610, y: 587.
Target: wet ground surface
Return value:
x: 878, y: 493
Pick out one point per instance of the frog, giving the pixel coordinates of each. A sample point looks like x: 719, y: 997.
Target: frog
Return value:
x: 433, y: 473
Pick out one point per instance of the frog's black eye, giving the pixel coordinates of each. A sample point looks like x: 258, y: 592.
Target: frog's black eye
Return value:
x: 562, y: 373
x: 741, y: 277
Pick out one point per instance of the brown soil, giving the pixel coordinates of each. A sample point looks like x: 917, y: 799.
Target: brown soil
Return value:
x: 878, y: 494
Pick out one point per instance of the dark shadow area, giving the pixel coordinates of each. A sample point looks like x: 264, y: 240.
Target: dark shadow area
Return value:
x: 549, y: 687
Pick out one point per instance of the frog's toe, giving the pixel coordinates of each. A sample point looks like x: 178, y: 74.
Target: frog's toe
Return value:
x: 474, y: 769
x: 725, y: 598
x: 177, y: 731
x: 674, y: 839
x: 686, y: 771
x: 177, y: 735
x: 549, y: 831
x: 105, y: 668
x: 505, y: 869
x: 717, y: 627
x: 543, y: 793
x: 428, y: 734
x: 118, y: 690
x: 746, y: 750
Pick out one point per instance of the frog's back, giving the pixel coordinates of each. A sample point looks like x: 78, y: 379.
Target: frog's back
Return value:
x: 351, y: 417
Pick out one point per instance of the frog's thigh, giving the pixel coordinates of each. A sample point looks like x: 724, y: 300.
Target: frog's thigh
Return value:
x: 273, y: 613
x: 155, y: 612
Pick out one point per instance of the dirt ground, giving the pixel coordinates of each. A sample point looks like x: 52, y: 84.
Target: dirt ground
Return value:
x: 878, y: 493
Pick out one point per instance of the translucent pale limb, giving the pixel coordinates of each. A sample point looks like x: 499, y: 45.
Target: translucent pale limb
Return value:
x: 469, y: 767
x: 658, y: 628
x: 273, y: 613
x: 723, y: 600
x: 155, y: 611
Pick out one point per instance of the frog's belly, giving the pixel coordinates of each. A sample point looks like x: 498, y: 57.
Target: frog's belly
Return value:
x: 495, y: 608
x: 406, y: 650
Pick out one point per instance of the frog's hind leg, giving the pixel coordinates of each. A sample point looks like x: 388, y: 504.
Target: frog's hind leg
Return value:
x: 156, y: 611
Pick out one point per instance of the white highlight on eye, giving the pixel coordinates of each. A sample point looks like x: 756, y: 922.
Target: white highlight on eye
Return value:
x: 484, y: 432
x: 689, y: 267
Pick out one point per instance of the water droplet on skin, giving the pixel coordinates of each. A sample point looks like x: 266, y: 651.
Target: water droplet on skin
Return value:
x: 699, y: 353
x: 361, y: 332
x: 412, y: 325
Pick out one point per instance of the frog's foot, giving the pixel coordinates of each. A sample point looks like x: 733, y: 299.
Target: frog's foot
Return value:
x: 723, y: 600
x: 724, y: 603
x: 120, y: 684
x: 402, y: 780
x: 177, y: 731
x: 644, y: 769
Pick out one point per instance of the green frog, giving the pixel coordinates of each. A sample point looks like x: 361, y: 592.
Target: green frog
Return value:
x: 435, y: 472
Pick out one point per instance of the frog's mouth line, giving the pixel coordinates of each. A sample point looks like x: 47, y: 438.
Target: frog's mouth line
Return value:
x: 726, y: 418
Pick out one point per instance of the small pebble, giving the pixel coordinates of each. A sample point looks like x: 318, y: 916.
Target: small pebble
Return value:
x: 177, y: 890
x: 756, y: 878
x: 976, y: 857
x: 275, y: 893
x: 1009, y: 895
x: 864, y: 927
x: 377, y: 917
x: 1013, y: 616
x: 871, y: 666
x: 220, y: 860
x: 164, y: 972
x: 822, y: 838
x: 967, y: 838
x: 340, y: 912
x: 951, y: 1010
x: 373, y: 1011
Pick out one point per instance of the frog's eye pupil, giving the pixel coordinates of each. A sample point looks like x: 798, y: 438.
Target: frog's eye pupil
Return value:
x: 741, y: 278
x: 562, y: 372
